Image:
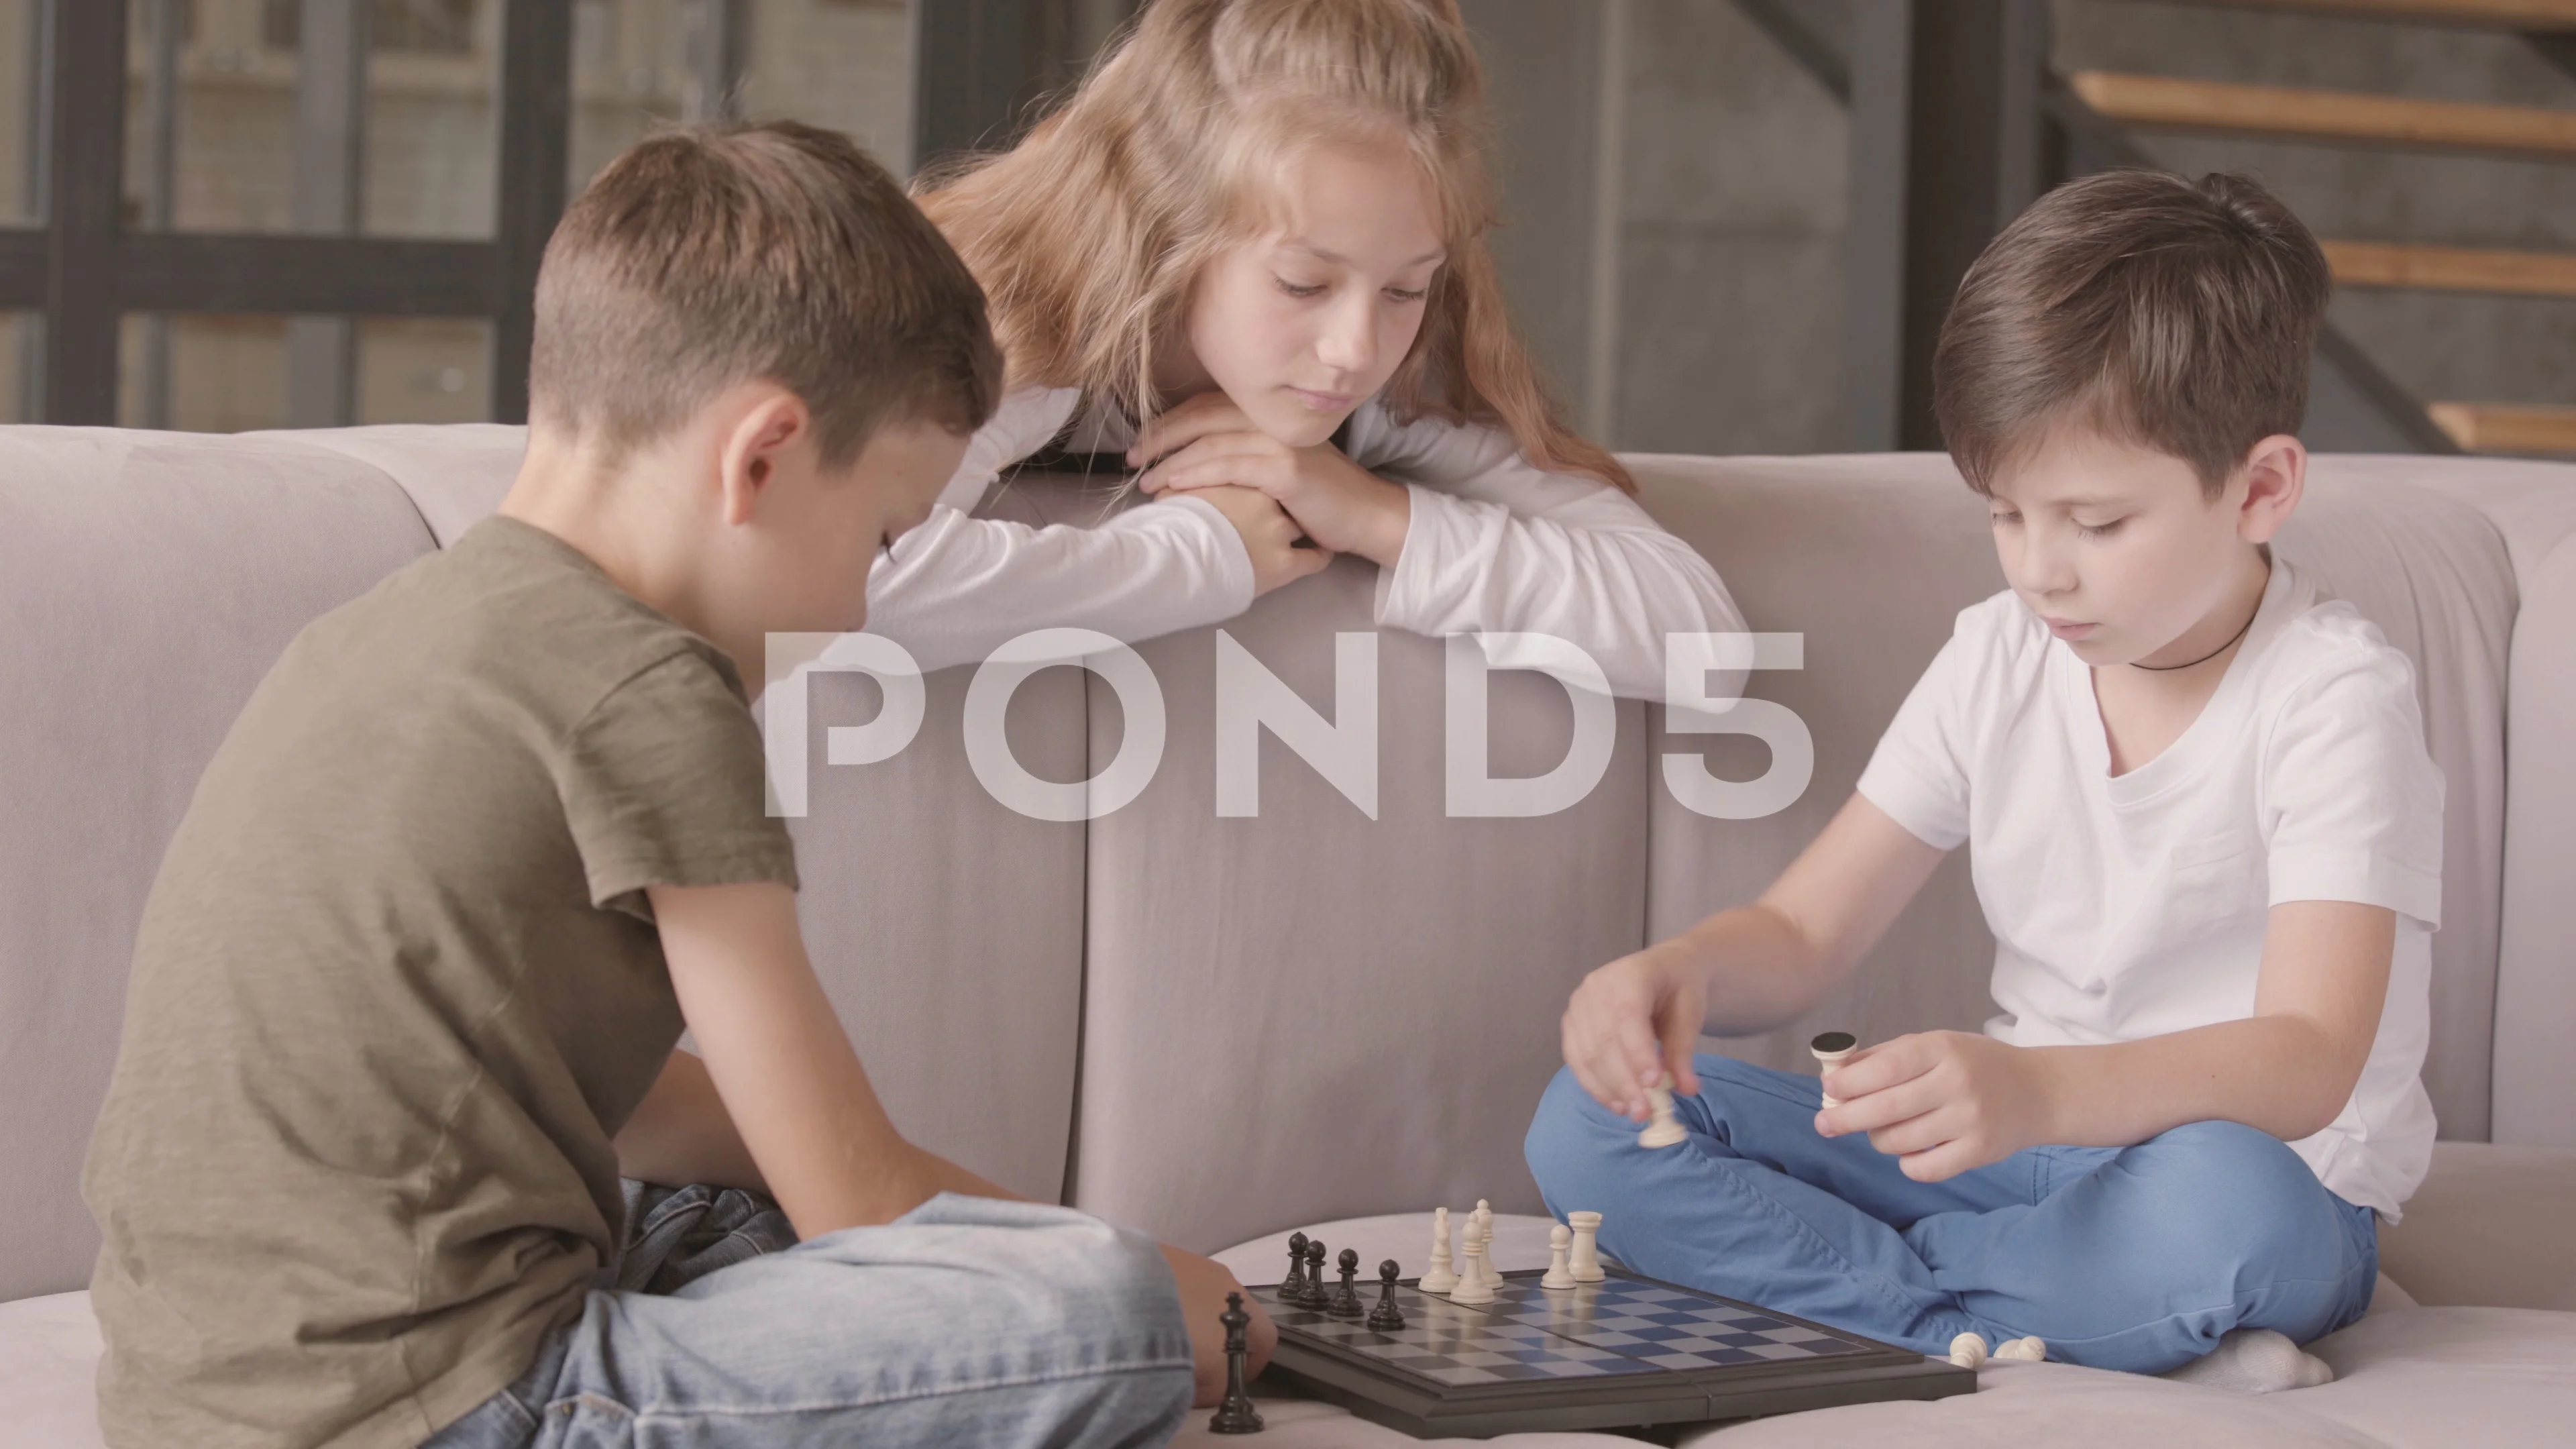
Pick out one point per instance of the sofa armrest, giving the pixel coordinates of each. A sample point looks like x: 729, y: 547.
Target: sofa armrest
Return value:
x: 2491, y: 1227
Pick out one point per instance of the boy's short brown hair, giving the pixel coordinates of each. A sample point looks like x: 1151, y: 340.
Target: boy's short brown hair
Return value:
x: 2175, y: 314
x: 712, y: 255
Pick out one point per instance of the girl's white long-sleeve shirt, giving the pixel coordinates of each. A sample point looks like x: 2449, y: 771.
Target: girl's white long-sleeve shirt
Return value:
x: 1495, y: 546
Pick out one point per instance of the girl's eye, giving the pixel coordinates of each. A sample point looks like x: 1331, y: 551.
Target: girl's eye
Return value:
x: 1294, y: 290
x: 1401, y: 295
x: 2100, y: 530
x: 2001, y: 519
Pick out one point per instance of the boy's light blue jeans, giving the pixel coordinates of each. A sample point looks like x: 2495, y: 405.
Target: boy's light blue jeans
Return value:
x: 966, y: 1321
x: 2133, y: 1258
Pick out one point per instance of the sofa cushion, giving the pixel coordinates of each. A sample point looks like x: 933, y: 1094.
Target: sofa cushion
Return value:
x: 147, y: 582
x: 49, y: 1349
x: 455, y: 473
x: 1312, y: 1014
x: 2492, y: 1227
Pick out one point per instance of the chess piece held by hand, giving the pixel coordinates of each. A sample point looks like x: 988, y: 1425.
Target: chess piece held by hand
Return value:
x: 1664, y: 1130
x: 1234, y: 1413
x: 1441, y: 1277
x: 1828, y: 1050
x: 1560, y: 1242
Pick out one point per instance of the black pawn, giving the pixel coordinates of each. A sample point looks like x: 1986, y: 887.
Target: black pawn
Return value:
x: 1346, y: 1301
x: 1234, y: 1413
x: 1292, y: 1289
x: 1318, y: 1297
x: 1386, y: 1317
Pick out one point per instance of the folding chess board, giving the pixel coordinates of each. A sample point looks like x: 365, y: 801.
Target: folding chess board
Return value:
x: 1623, y: 1353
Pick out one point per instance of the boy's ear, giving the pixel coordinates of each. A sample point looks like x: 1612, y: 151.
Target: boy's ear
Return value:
x: 2276, y: 475
x: 770, y: 420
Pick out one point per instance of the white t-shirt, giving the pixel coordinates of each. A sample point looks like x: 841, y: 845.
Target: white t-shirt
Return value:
x: 1496, y: 546
x: 2130, y: 906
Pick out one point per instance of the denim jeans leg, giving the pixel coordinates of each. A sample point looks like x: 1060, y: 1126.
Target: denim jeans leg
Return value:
x: 965, y: 1321
x: 2140, y: 1258
x: 1711, y: 1214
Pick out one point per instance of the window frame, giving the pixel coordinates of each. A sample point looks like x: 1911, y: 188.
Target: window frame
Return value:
x: 83, y: 269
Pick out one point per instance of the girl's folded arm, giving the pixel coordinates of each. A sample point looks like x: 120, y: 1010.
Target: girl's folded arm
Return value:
x: 1498, y: 545
x: 958, y: 587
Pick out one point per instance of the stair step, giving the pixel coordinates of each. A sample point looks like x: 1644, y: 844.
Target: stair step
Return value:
x: 2476, y: 14
x: 2226, y: 108
x: 2451, y: 269
x: 2507, y: 428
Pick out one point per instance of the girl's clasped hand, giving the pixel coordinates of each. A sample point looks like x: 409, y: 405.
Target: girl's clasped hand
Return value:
x: 1209, y: 442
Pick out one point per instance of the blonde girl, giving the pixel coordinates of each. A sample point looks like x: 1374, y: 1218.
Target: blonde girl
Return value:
x: 1249, y: 256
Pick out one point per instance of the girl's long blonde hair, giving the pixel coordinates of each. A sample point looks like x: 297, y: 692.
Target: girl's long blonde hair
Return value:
x: 1089, y: 235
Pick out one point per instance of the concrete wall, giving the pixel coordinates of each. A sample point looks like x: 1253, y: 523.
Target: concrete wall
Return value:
x: 1730, y: 254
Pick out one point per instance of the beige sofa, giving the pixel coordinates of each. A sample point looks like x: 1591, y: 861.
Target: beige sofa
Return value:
x: 1220, y: 1029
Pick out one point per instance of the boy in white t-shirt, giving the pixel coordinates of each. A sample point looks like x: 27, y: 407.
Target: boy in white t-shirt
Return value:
x: 2204, y: 830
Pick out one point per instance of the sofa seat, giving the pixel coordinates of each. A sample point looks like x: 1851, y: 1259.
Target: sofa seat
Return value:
x: 2404, y: 1377
x: 2428, y: 1377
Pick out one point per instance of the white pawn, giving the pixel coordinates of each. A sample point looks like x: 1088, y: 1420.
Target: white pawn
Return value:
x: 1442, y: 1277
x: 2027, y: 1350
x: 1664, y: 1131
x: 1829, y: 1049
x: 1586, y: 1266
x: 1968, y: 1351
x: 1485, y: 1235
x: 1560, y: 1242
x: 1472, y: 1287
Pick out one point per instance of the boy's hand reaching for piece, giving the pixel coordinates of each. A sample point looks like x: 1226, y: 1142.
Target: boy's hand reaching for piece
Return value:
x: 1269, y: 536
x: 1208, y: 442
x: 1941, y: 1102
x: 1632, y: 1021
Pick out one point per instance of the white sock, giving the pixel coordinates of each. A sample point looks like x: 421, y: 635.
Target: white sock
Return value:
x: 2255, y: 1361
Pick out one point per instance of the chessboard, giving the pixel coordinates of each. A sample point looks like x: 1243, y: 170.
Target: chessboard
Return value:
x: 1624, y: 1353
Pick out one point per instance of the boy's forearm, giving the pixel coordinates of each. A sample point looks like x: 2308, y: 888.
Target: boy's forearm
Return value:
x: 2288, y: 1069
x: 682, y: 1134
x: 2283, y: 1075
x: 1757, y: 967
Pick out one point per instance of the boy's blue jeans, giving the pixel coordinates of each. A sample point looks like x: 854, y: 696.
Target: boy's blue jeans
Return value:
x: 2132, y: 1258
x: 966, y: 1321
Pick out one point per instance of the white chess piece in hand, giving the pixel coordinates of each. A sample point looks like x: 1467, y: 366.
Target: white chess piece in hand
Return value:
x: 1664, y: 1130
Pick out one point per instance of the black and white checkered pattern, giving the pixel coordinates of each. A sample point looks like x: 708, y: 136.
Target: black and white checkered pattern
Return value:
x: 1597, y: 1330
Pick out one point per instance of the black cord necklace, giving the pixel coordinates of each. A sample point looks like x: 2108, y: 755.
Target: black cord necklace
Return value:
x: 2212, y: 654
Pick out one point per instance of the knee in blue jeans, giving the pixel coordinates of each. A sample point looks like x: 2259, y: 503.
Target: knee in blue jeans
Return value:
x: 1567, y: 1134
x: 2233, y: 1190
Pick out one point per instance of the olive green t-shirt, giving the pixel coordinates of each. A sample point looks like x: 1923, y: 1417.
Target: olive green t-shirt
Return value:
x: 397, y: 986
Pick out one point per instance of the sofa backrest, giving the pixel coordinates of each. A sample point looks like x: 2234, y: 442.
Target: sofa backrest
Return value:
x: 1217, y: 1027
x: 147, y: 582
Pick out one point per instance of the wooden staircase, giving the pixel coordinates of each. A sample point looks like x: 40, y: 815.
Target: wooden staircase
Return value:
x: 2166, y: 103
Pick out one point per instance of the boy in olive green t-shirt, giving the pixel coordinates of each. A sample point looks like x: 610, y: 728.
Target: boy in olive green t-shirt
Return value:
x: 405, y: 1001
